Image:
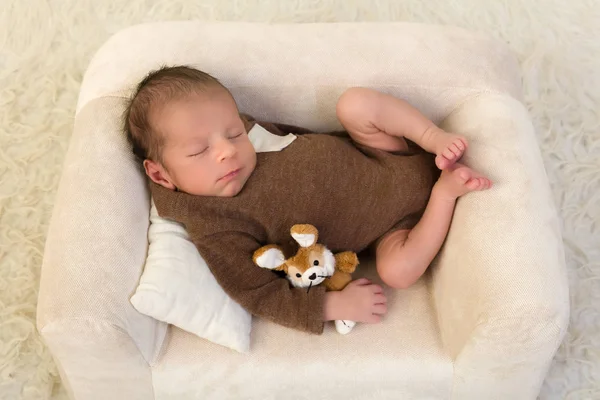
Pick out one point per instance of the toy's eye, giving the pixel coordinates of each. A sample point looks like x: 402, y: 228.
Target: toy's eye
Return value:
x: 316, y: 262
x: 298, y: 275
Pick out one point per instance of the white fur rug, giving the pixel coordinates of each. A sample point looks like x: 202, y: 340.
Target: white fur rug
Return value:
x: 45, y: 46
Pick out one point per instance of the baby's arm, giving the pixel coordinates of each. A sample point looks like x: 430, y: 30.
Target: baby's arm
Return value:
x: 258, y: 290
x: 262, y: 293
x: 381, y: 121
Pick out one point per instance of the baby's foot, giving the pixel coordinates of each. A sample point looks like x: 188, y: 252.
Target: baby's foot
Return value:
x: 459, y: 180
x: 448, y: 147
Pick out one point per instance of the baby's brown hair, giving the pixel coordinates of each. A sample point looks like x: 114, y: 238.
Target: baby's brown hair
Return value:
x: 156, y: 90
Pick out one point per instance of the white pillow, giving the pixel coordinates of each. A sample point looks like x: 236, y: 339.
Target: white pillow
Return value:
x: 177, y: 286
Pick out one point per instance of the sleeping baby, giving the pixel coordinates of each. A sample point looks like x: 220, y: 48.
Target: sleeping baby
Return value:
x: 388, y: 182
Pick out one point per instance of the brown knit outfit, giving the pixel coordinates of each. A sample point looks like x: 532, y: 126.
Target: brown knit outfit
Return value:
x: 351, y: 193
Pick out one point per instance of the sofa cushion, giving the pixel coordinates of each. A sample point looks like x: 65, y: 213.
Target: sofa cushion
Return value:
x: 400, y: 358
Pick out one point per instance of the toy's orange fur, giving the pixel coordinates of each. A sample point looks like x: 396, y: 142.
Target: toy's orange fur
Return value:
x: 345, y: 265
x: 312, y: 265
x: 309, y: 251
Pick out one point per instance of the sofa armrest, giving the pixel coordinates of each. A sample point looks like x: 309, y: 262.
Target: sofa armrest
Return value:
x: 97, y: 360
x: 500, y: 286
x: 96, y: 247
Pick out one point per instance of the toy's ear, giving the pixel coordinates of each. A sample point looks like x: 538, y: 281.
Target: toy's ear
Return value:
x: 270, y: 257
x: 305, y: 235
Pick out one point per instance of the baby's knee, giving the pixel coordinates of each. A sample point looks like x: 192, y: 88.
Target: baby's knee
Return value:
x: 394, y: 273
x: 355, y: 101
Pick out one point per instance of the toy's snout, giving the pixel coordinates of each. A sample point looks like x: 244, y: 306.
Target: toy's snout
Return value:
x: 311, y: 277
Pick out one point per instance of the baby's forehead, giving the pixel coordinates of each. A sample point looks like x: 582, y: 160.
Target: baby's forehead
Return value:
x: 216, y: 98
x: 196, y: 117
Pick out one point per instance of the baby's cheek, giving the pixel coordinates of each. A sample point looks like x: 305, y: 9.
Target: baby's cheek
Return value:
x: 250, y: 158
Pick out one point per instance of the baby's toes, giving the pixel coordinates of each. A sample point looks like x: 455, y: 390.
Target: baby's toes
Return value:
x: 484, y: 184
x: 442, y: 162
x: 475, y: 184
x: 453, y: 148
x: 446, y: 159
x: 450, y: 153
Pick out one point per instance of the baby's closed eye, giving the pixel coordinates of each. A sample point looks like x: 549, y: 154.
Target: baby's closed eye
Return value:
x: 199, y: 153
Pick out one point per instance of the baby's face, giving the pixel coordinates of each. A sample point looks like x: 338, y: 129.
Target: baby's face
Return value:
x: 206, y: 150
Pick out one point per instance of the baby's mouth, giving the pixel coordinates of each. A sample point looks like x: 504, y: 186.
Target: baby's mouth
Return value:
x: 232, y: 174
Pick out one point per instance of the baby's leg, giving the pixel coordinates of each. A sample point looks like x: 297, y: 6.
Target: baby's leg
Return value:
x: 381, y: 121
x: 403, y: 256
x: 358, y: 109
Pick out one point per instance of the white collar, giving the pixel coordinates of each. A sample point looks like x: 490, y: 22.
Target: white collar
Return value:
x: 264, y: 141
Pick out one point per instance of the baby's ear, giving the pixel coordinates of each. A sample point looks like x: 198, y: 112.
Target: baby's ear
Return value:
x: 305, y: 235
x: 158, y: 174
x: 270, y: 257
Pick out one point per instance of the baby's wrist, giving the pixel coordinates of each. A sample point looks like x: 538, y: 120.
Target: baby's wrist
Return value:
x: 332, y: 306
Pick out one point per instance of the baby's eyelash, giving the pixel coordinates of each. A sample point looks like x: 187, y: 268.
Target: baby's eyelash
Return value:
x: 199, y: 153
x: 237, y: 136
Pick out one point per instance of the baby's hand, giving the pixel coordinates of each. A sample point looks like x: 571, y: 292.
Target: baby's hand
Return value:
x: 360, y: 301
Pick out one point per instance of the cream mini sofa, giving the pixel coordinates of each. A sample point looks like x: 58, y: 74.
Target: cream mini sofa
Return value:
x: 484, y: 323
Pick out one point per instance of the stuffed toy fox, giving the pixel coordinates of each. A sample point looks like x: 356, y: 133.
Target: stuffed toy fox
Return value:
x: 313, y: 264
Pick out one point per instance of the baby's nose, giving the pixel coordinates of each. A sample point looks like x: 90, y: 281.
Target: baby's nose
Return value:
x: 225, y: 150
x: 313, y: 277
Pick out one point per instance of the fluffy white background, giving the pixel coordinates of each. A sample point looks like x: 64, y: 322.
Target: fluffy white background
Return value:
x: 45, y: 46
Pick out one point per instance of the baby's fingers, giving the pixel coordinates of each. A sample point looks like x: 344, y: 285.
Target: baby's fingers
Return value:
x: 361, y: 282
x: 376, y: 289
x: 373, y: 319
x: 379, y: 309
x: 380, y: 299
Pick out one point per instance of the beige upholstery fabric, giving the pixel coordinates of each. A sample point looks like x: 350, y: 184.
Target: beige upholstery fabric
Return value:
x: 500, y: 287
x: 403, y: 356
x: 484, y: 323
x: 96, y: 243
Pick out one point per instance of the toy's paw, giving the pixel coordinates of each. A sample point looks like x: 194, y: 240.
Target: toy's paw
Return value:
x: 353, y: 260
x: 344, y: 326
x: 346, y: 261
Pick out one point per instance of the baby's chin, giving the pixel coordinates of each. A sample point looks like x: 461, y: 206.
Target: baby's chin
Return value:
x: 233, y: 188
